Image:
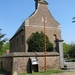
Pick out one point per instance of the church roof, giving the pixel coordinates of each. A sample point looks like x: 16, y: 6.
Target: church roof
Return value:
x: 20, y: 28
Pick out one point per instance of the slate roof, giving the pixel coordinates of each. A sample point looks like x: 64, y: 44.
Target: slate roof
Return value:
x: 19, y: 29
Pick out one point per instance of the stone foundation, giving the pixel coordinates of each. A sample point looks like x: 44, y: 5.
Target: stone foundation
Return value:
x: 20, y: 62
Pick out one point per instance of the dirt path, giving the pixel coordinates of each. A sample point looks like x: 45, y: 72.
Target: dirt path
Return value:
x: 66, y: 73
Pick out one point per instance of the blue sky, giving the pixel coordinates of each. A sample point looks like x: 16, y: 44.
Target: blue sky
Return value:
x: 14, y: 12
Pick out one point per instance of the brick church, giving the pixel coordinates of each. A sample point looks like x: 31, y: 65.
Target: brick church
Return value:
x: 19, y: 60
x: 33, y: 24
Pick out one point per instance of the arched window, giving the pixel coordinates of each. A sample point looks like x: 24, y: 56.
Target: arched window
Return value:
x: 55, y: 36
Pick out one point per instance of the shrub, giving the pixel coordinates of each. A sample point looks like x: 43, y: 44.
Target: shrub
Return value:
x: 36, y: 43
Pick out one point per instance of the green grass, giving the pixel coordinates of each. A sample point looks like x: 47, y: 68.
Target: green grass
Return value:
x: 48, y: 72
x: 71, y: 59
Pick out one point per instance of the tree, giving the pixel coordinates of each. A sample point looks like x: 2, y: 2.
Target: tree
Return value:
x: 71, y: 51
x: 5, y: 47
x: 66, y: 48
x: 36, y: 43
x: 73, y: 19
x: 2, y: 40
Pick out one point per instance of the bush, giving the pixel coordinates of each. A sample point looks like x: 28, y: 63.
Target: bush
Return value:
x: 36, y: 43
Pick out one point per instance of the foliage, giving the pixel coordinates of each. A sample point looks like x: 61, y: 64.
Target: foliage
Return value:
x: 36, y: 43
x: 71, y: 51
x: 48, y: 72
x: 2, y: 41
x: 5, y: 47
x: 66, y: 47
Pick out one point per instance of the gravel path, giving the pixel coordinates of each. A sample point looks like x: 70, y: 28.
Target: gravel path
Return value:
x: 66, y: 73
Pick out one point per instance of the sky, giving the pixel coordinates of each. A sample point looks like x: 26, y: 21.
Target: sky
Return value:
x: 14, y: 12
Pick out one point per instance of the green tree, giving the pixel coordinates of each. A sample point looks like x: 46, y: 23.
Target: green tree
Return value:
x: 2, y: 41
x: 66, y: 48
x: 36, y: 43
x: 5, y: 47
x: 71, y: 51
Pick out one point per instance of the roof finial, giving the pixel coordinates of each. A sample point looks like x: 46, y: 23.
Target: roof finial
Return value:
x: 41, y: 1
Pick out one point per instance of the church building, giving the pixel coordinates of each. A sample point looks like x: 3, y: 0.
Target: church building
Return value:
x: 19, y: 60
x: 34, y: 23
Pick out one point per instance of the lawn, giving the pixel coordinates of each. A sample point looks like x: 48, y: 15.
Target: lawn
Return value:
x: 71, y: 59
x: 48, y: 72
